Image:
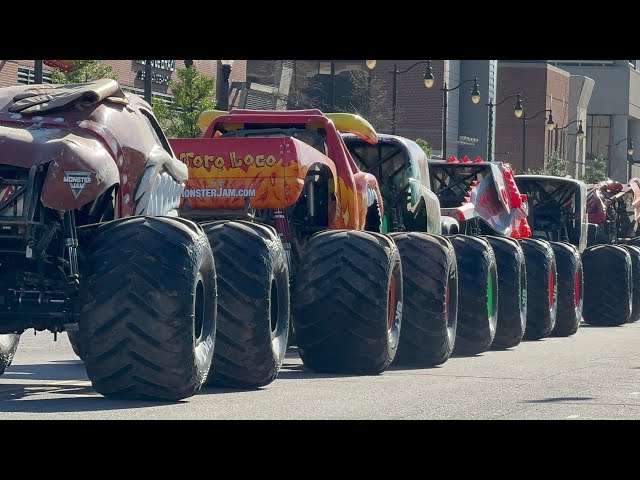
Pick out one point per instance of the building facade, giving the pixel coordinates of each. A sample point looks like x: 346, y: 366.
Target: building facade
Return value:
x: 348, y: 85
x: 613, y: 113
x: 526, y: 142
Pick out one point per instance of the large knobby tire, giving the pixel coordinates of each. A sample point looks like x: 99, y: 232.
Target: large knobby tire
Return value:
x: 253, y: 304
x: 634, y: 252
x: 477, y: 295
x: 429, y: 312
x: 74, y: 340
x: 570, y: 289
x: 512, y: 287
x: 8, y: 347
x: 148, y: 318
x: 348, y: 302
x: 542, y: 288
x: 607, y: 282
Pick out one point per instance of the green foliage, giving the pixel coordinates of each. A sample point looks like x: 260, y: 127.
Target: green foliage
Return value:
x: 555, y: 166
x: 193, y: 93
x: 83, y: 71
x: 424, y: 146
x: 595, y: 171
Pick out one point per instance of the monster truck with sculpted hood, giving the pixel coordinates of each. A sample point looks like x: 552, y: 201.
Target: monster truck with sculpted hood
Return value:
x: 285, y: 209
x: 91, y: 244
x: 483, y: 202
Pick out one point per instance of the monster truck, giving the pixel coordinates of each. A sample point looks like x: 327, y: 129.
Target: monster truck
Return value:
x: 482, y: 201
x: 285, y: 210
x: 590, y: 217
x: 614, y: 211
x: 91, y: 243
x: 411, y: 216
x: 557, y: 214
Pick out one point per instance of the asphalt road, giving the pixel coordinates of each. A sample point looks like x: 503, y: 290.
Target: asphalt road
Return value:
x: 592, y: 375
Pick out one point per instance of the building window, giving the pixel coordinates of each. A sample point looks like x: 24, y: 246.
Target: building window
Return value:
x: 598, y: 136
x: 140, y: 92
x: 26, y: 75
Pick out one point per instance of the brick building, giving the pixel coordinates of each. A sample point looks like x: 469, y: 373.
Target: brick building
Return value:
x: 129, y: 73
x: 542, y: 87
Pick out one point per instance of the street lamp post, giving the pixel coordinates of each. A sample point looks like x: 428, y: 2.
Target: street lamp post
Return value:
x: 579, y: 135
x: 38, y: 69
x: 333, y: 85
x: 223, y: 98
x: 491, y: 105
x: 550, y: 126
x: 475, y: 98
x: 629, y: 155
x: 148, y: 80
x: 428, y: 82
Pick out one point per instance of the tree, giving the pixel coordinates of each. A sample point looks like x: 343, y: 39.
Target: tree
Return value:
x: 193, y: 93
x: 366, y: 97
x: 83, y: 71
x: 424, y: 146
x: 595, y: 171
x: 555, y: 166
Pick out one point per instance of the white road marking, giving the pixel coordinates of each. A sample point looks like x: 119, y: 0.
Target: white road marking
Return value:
x: 573, y: 416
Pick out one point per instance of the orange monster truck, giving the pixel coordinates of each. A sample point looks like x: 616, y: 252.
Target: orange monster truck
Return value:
x: 91, y: 242
x: 285, y: 209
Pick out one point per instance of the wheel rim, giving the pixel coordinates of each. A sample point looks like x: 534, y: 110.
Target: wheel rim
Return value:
x: 274, y: 307
x: 199, y: 311
x: 451, y: 306
x: 392, y: 303
x: 447, y: 298
x: 278, y: 309
x: 552, y: 288
x: 490, y: 299
x: 522, y: 292
x: 395, y: 309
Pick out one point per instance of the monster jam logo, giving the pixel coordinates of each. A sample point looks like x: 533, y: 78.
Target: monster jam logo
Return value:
x: 77, y: 181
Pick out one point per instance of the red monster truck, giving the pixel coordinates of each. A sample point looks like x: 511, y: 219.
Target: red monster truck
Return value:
x: 484, y: 203
x: 285, y: 208
x: 613, y: 210
x: 85, y: 175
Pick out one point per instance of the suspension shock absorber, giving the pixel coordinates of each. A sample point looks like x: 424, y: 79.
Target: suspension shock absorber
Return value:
x: 281, y: 225
x: 71, y: 246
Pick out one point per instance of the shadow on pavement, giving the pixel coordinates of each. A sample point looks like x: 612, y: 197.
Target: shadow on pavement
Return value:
x: 67, y: 377
x: 559, y: 399
x: 62, y: 370
x: 292, y: 369
x: 588, y: 325
x: 76, y: 403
